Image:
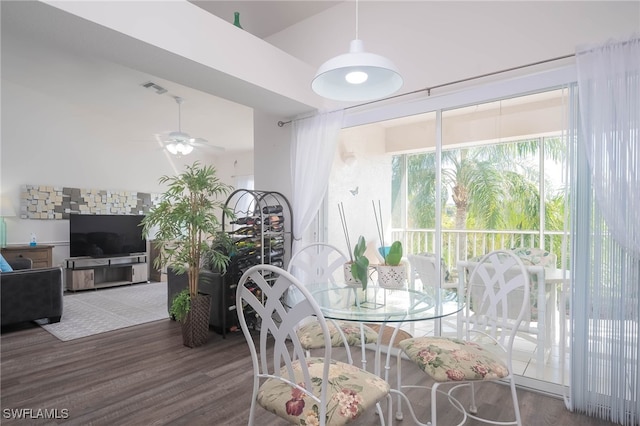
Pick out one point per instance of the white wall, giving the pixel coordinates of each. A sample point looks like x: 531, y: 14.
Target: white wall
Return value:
x: 48, y: 142
x: 233, y: 164
x: 356, y: 185
x: 271, y: 156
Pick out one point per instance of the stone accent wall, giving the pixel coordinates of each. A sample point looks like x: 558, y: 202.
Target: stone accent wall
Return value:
x: 51, y: 202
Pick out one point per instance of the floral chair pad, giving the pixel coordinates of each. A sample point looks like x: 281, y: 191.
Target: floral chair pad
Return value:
x: 448, y: 359
x: 351, y: 391
x: 311, y: 336
x: 536, y: 256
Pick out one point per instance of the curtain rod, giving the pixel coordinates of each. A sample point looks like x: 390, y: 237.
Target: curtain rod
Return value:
x: 439, y: 86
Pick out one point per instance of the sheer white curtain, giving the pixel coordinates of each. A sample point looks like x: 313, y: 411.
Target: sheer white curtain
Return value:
x: 605, y: 281
x: 313, y: 146
x: 609, y: 87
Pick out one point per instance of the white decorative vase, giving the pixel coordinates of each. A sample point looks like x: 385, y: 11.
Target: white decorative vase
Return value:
x: 348, y: 276
x: 392, y: 276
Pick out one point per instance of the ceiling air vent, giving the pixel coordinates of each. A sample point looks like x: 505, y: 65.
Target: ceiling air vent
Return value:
x: 151, y: 85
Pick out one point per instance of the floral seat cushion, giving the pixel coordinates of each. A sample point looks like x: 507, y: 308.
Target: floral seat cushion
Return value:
x: 447, y: 359
x: 351, y: 392
x: 311, y: 336
x: 530, y: 256
x: 536, y: 256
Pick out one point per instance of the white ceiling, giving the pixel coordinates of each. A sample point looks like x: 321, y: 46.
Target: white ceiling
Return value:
x: 42, y: 50
x: 95, y: 68
x: 265, y: 18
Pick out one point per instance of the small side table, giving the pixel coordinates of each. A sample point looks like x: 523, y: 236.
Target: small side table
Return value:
x: 41, y: 255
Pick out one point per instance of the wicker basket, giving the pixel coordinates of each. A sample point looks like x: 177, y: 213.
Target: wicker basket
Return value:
x: 195, y: 327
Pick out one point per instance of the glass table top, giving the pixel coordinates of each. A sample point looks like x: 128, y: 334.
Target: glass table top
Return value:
x: 378, y: 304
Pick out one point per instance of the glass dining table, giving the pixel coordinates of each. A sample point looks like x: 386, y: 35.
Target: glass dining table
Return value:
x: 383, y: 306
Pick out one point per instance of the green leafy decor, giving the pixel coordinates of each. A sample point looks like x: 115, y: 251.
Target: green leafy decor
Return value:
x: 360, y: 266
x: 393, y: 255
x: 359, y: 262
x: 187, y: 227
x: 181, y: 305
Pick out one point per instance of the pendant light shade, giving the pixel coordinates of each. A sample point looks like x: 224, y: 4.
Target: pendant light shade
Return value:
x: 357, y: 76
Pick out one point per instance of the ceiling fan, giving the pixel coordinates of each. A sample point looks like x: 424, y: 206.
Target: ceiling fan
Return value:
x: 180, y: 143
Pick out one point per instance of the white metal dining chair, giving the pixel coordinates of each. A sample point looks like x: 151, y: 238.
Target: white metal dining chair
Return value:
x: 537, y: 322
x: 323, y: 263
x: 538, y: 325
x: 424, y: 268
x: 497, y: 296
x: 300, y: 389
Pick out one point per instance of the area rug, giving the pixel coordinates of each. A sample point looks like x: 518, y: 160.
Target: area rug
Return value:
x: 98, y: 311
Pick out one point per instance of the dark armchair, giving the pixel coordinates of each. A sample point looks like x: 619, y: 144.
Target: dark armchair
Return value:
x: 30, y: 294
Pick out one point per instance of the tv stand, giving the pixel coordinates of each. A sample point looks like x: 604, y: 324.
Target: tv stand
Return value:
x: 85, y: 273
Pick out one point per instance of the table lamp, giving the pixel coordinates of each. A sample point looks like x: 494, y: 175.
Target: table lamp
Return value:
x: 6, y: 210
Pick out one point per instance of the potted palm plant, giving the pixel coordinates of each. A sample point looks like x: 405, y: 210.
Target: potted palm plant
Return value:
x: 188, y: 231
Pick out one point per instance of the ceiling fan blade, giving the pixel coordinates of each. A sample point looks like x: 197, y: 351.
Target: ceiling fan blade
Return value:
x: 179, y: 137
x: 203, y: 143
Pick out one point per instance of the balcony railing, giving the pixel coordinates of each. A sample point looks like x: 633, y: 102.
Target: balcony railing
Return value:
x: 465, y: 244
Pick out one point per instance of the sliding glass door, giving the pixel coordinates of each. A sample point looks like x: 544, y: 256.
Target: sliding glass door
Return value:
x: 462, y: 181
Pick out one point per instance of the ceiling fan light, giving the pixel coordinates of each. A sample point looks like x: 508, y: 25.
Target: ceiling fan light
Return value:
x: 172, y: 148
x: 186, y: 149
x: 331, y: 79
x: 179, y: 148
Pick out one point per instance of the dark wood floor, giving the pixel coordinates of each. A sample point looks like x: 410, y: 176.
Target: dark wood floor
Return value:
x: 144, y: 376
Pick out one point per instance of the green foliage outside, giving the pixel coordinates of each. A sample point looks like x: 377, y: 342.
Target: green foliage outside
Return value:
x: 489, y: 187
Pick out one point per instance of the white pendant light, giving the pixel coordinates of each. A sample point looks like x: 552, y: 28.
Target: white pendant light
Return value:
x: 357, y: 75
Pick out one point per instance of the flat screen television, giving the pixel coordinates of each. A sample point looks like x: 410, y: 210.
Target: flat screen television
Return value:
x: 105, y: 235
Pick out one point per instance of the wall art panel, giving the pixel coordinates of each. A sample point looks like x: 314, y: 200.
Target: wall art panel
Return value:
x: 52, y: 202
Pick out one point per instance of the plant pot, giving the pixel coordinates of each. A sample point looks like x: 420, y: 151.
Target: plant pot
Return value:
x: 195, y: 327
x: 348, y: 277
x: 392, y: 276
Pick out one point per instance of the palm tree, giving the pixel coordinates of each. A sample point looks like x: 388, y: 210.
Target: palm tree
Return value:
x: 491, y: 186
